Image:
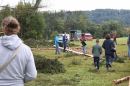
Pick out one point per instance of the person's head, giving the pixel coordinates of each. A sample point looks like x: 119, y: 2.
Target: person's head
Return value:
x: 10, y: 25
x: 65, y: 33
x: 108, y: 36
x: 97, y: 40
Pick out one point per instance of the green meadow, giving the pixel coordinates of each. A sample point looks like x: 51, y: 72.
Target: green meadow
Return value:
x: 83, y: 73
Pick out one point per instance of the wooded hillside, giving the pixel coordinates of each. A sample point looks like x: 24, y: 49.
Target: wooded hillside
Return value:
x: 100, y: 15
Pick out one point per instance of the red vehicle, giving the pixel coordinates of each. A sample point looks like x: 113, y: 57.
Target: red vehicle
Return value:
x: 87, y: 36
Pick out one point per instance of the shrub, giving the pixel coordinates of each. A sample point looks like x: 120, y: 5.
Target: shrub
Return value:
x: 119, y: 59
x: 75, y: 62
x: 46, y: 65
x: 41, y: 43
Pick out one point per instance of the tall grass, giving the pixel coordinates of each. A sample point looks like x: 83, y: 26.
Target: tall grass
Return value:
x: 84, y: 73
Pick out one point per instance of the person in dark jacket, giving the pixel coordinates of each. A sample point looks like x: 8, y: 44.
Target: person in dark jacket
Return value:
x: 65, y: 42
x: 108, y: 53
x: 83, y: 46
x: 128, y: 43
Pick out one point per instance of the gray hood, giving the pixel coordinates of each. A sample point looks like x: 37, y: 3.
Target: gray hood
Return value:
x: 11, y: 42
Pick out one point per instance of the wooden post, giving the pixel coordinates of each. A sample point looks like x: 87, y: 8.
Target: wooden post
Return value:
x: 129, y: 81
x: 121, y: 80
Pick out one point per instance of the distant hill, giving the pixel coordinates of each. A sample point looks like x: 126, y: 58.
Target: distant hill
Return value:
x: 100, y: 15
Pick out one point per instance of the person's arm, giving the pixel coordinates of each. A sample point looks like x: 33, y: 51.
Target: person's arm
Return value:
x: 103, y: 45
x: 128, y: 41
x: 92, y: 50
x: 113, y: 44
x: 31, y: 72
x: 100, y: 50
x: 63, y: 38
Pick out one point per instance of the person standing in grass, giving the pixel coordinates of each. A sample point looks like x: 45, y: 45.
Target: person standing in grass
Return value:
x: 57, y: 44
x: 114, y: 38
x: 65, y: 42
x: 108, y: 53
x: 83, y: 46
x: 128, y: 43
x: 96, y: 51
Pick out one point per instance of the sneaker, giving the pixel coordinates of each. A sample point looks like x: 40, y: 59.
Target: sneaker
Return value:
x: 96, y: 68
x: 110, y: 65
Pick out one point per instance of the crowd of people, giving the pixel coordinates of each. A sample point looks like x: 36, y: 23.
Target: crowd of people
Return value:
x: 18, y: 66
x: 107, y: 45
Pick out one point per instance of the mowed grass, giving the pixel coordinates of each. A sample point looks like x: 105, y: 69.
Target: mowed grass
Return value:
x: 84, y: 73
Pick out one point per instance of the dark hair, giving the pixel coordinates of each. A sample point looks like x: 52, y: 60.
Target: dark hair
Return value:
x: 108, y: 36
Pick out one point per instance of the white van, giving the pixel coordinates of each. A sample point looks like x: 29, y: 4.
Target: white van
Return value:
x: 61, y: 37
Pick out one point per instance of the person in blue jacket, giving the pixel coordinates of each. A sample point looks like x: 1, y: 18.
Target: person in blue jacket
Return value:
x: 65, y: 42
x: 57, y: 44
x: 108, y: 53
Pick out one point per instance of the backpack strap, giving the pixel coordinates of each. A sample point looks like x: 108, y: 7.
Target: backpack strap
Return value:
x: 6, y: 64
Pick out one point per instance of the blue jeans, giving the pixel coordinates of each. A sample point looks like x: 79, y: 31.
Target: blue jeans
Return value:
x: 96, y: 62
x: 57, y: 49
x: 109, y: 58
x: 128, y: 50
x: 84, y: 49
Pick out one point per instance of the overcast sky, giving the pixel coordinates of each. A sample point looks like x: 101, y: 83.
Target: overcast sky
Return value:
x: 72, y: 5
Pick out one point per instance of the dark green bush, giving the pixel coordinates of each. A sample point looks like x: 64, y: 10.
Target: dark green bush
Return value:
x: 38, y: 43
x: 46, y: 65
x: 119, y: 59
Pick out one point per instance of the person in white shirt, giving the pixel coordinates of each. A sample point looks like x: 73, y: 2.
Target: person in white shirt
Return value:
x: 22, y: 67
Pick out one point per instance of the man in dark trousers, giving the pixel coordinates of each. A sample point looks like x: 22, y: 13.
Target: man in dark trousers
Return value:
x: 96, y: 51
x: 65, y: 42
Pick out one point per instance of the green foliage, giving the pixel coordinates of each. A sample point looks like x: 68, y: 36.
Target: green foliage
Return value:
x: 32, y: 23
x: 75, y: 61
x: 119, y: 59
x: 53, y: 35
x: 46, y: 65
x: 31, y: 42
x: 38, y: 43
x: 100, y: 15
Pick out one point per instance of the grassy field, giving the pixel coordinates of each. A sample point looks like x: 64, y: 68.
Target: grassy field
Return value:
x: 84, y: 73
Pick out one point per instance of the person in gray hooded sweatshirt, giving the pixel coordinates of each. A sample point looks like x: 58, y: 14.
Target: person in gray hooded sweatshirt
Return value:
x: 22, y: 68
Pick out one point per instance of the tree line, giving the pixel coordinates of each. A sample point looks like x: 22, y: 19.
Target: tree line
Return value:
x: 45, y: 25
x: 100, y: 15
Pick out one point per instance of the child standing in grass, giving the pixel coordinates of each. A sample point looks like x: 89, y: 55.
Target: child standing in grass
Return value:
x: 83, y: 46
x: 96, y: 51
